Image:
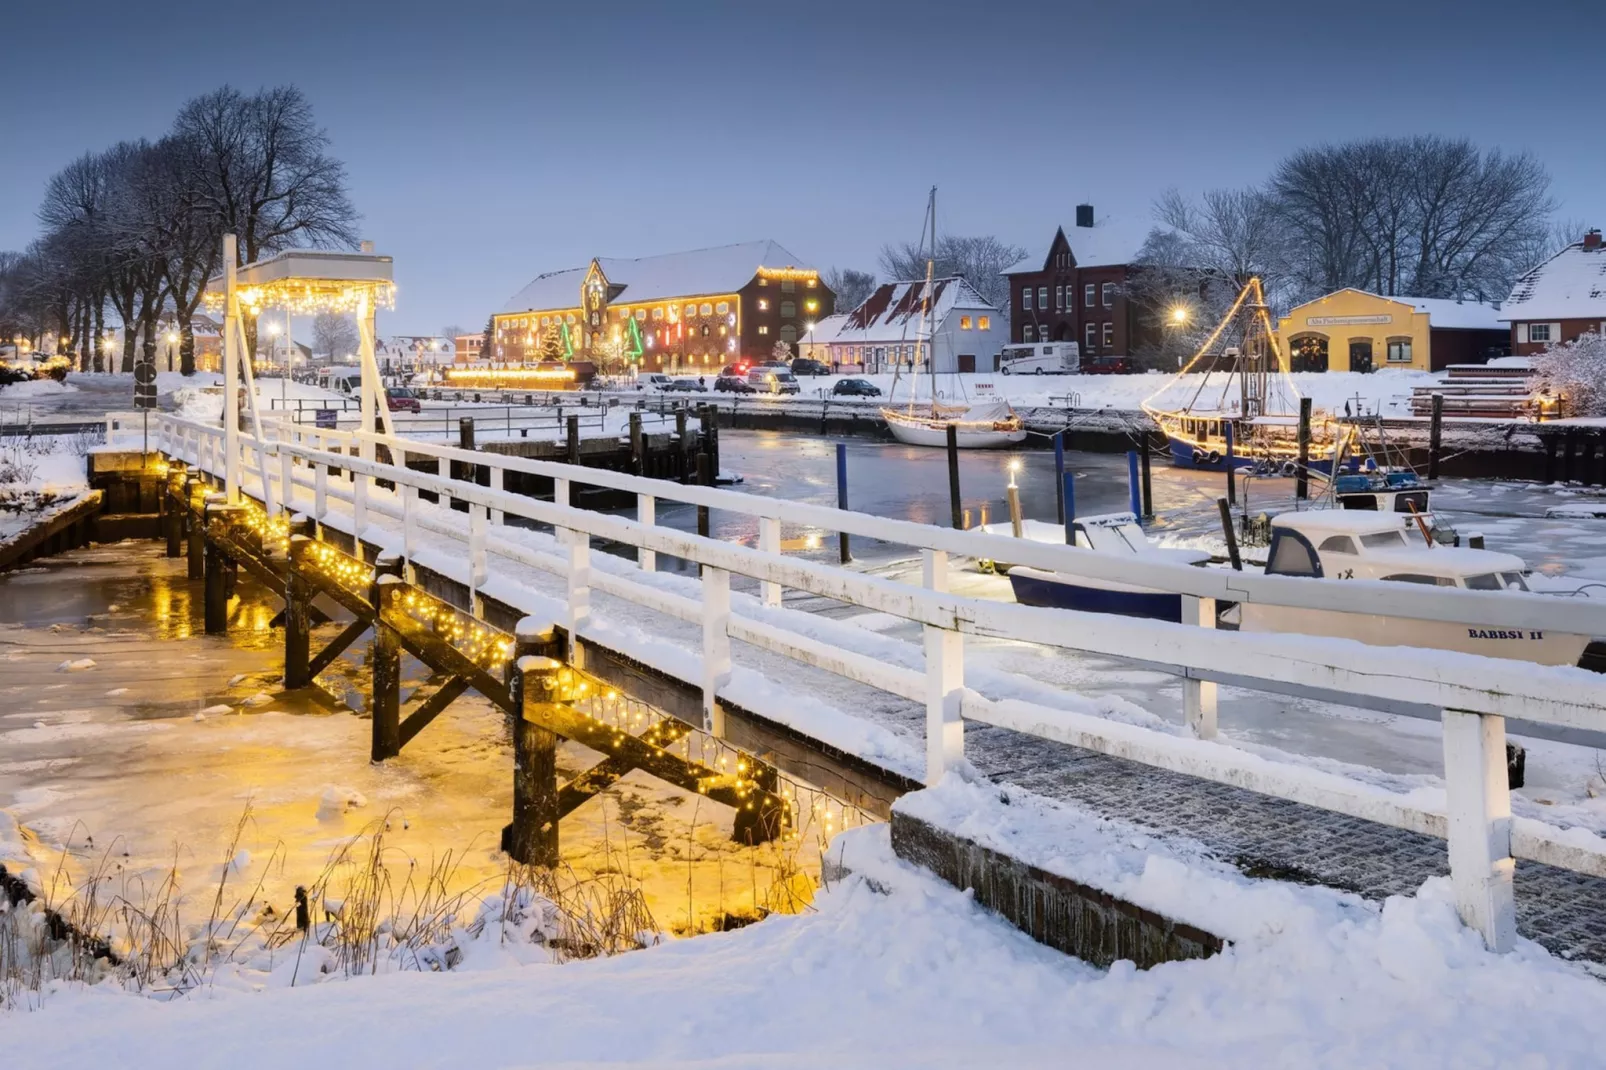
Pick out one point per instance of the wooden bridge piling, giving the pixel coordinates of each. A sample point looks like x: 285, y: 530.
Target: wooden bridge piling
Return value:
x: 533, y: 838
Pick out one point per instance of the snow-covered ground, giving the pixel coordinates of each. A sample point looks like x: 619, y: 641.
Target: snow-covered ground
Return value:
x: 894, y: 969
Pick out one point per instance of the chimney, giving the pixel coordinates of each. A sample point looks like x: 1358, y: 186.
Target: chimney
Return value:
x: 1592, y: 239
x: 367, y: 247
x: 1084, y: 216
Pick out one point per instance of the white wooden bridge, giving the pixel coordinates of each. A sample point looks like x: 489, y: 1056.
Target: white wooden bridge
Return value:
x: 291, y: 468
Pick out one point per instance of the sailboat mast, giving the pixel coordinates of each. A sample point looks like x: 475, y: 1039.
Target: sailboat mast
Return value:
x: 925, y: 312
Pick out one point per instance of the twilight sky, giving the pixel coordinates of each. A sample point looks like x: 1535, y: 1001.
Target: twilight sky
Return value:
x: 487, y: 143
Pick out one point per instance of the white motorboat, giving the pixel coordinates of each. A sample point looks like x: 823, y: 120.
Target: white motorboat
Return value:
x: 1340, y: 544
x: 1111, y: 533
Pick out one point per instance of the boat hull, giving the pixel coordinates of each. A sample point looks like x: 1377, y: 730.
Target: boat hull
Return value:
x: 1034, y: 587
x: 936, y: 435
x: 1540, y: 647
x: 1187, y: 454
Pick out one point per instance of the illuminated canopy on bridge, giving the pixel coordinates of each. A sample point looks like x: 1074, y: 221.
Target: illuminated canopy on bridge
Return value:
x: 309, y: 281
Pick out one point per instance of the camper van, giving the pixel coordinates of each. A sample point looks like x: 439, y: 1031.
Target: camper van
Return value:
x: 1044, y: 358
x: 340, y: 380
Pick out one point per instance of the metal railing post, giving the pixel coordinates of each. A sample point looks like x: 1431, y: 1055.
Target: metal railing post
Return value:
x: 769, y: 541
x: 945, y: 679
x: 1199, y: 696
x: 1478, y: 825
x: 716, y: 645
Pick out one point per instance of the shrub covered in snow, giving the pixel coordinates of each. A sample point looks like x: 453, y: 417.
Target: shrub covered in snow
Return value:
x: 1577, y: 371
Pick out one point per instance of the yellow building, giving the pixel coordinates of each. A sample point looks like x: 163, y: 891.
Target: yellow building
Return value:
x: 1353, y: 330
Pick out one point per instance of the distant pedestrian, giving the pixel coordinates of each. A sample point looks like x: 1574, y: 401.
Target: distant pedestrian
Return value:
x: 701, y: 384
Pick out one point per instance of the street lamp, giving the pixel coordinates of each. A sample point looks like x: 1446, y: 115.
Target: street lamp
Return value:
x: 172, y: 337
x: 1179, y: 315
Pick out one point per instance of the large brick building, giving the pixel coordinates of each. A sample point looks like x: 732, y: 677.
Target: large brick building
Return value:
x: 1075, y: 291
x: 1560, y: 299
x: 693, y: 311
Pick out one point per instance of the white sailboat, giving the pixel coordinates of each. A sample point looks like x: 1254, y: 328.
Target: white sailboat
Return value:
x: 984, y: 424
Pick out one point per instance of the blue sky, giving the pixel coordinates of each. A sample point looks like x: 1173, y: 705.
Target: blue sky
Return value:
x: 489, y: 142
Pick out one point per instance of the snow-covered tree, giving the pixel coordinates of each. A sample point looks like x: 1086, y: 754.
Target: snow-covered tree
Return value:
x: 781, y: 351
x: 1576, y: 371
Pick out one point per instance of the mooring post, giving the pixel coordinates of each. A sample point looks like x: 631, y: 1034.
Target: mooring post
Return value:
x: 173, y: 508
x: 711, y: 442
x: 465, y: 441
x: 682, y: 441
x: 1148, y: 488
x: 1232, y: 468
x: 298, y: 608
x: 705, y: 478
x: 1068, y: 495
x: 1302, y: 477
x: 1134, y: 492
x: 1232, y: 536
x: 215, y: 600
x: 195, y: 525
x: 533, y: 838
x: 573, y: 436
x: 842, y: 498
x: 957, y: 517
x: 1435, y: 430
x: 384, y: 658
x: 1059, y: 475
x: 638, y: 455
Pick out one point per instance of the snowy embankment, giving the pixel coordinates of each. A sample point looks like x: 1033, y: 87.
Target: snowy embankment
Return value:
x: 895, y: 969
x: 38, y: 477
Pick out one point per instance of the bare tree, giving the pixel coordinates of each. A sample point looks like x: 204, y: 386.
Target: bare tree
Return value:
x: 851, y: 287
x: 981, y: 261
x: 451, y: 331
x: 334, y: 335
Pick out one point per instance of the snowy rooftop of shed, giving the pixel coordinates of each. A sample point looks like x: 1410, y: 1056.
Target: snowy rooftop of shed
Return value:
x: 1458, y: 315
x: 720, y: 270
x: 1570, y: 285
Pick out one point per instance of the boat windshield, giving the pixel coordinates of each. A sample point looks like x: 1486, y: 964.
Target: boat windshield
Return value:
x: 1514, y: 581
x: 1417, y: 577
x: 1383, y: 540
x: 1483, y: 581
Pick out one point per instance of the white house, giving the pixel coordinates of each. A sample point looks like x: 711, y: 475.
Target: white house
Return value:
x: 963, y: 331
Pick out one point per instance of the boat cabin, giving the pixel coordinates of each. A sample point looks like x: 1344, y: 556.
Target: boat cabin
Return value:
x: 1369, y: 545
x: 1120, y: 533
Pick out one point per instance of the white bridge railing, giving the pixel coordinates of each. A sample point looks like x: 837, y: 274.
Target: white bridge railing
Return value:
x: 1476, y: 694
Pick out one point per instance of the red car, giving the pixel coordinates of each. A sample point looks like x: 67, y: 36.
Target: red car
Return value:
x: 401, y: 399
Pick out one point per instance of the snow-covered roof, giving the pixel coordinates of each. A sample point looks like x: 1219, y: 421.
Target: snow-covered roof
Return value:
x: 1105, y: 244
x: 721, y: 270
x: 1459, y: 315
x: 892, y: 312
x: 1570, y: 285
x: 827, y: 329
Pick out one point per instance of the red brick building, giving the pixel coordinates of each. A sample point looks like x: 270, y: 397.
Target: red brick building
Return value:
x: 1075, y: 291
x: 1560, y: 299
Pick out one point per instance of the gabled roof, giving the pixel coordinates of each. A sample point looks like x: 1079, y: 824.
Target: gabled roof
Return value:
x: 720, y: 270
x: 1570, y: 285
x: 1441, y: 311
x: 1104, y: 244
x: 892, y: 313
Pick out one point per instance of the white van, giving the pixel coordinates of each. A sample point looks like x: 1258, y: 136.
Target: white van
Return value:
x: 1044, y: 358
x: 340, y: 380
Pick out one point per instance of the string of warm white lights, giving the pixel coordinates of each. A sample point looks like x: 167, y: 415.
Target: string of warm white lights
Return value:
x: 308, y: 297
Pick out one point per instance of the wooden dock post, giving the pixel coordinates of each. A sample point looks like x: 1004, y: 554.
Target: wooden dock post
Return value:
x: 1571, y: 446
x: 1232, y: 465
x: 1302, y: 477
x: 842, y: 498
x: 638, y: 456
x: 384, y: 658
x: 1435, y: 435
x: 173, y: 508
x: 705, y: 478
x: 297, y: 611
x: 953, y: 478
x: 533, y: 838
x: 573, y: 433
x: 195, y: 527
x: 1059, y: 476
x: 1148, y: 487
x: 682, y: 441
x: 215, y: 599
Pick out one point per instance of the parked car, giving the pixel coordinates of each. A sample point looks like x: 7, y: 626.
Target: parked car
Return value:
x: 805, y: 366
x: 402, y: 399
x: 654, y: 381
x: 734, y: 384
x: 767, y: 380
x: 855, y: 388
x: 685, y: 386
x: 740, y: 368
x: 1107, y: 366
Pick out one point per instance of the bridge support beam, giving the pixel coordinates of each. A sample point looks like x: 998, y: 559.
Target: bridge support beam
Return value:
x: 1478, y: 812
x: 533, y: 838
x: 384, y: 658
x: 215, y: 603
x: 193, y: 503
x: 298, y: 595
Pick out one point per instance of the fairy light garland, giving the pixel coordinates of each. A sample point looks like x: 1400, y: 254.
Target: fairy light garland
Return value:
x: 345, y: 570
x: 486, y: 647
x: 308, y: 296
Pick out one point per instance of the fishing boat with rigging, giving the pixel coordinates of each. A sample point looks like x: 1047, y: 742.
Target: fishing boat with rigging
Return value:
x: 1244, y: 408
x: 986, y: 423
